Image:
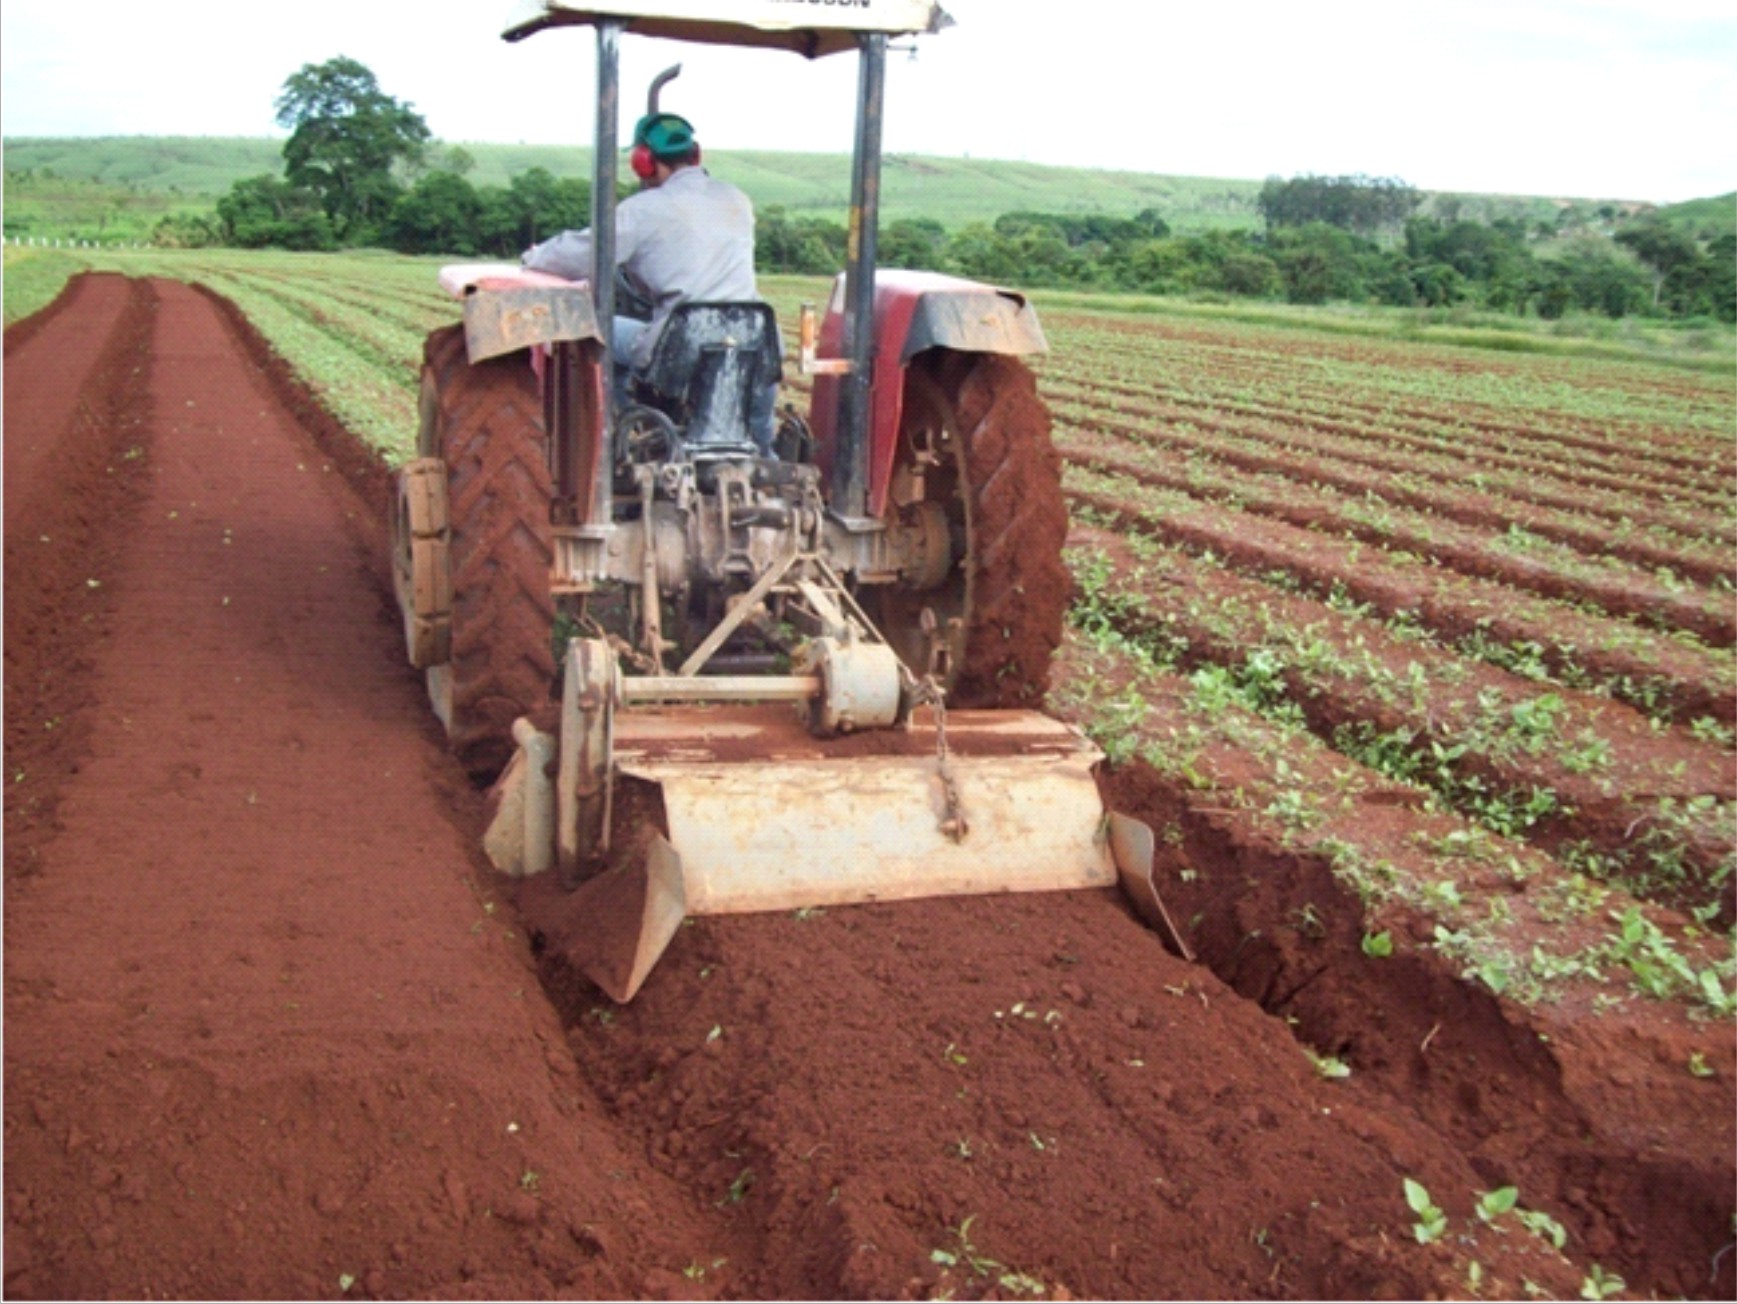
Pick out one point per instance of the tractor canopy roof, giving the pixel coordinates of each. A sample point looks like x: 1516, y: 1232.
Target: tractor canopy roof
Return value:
x: 809, y: 27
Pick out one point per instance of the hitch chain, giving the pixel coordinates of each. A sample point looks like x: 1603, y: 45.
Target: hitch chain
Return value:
x: 928, y: 692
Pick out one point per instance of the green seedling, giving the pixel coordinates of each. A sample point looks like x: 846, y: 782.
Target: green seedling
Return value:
x: 1600, y: 1284
x: 1493, y: 1204
x: 1378, y: 946
x: 1431, y: 1221
x: 1698, y: 1065
x: 738, y: 1189
x: 1330, y: 1067
x: 1543, y: 1226
x: 1707, y: 729
x: 963, y: 1254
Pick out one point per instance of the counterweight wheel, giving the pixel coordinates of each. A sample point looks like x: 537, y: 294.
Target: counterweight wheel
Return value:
x: 484, y: 421
x: 976, y: 430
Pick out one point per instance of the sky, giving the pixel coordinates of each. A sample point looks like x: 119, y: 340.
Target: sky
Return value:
x: 1609, y: 99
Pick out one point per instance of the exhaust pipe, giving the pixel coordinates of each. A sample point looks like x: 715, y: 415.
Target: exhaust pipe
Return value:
x: 669, y: 74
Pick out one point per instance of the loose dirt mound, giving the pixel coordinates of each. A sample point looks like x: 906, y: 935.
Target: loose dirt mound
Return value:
x: 273, y: 1029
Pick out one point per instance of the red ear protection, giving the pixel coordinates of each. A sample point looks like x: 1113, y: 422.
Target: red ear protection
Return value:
x: 644, y: 165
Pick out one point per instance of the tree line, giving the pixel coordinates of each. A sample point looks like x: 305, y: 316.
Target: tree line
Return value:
x: 1650, y: 268
x: 357, y: 171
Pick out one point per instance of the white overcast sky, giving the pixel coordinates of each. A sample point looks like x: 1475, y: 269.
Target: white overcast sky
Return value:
x: 1629, y: 99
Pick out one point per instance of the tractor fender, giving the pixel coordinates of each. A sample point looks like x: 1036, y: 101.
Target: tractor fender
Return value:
x: 507, y: 308
x: 915, y: 312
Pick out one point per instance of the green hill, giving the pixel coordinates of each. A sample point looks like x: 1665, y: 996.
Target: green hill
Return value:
x: 52, y: 184
x: 117, y: 187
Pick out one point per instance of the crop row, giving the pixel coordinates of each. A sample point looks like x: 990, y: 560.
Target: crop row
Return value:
x: 1602, y: 406
x: 1634, y: 474
x: 1535, y: 495
x: 1633, y: 461
x: 1515, y: 556
x: 1670, y: 677
x: 371, y: 396
x: 1581, y: 775
x: 1505, y: 913
x: 384, y: 304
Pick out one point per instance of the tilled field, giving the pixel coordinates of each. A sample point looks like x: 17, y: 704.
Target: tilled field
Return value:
x: 1431, y: 707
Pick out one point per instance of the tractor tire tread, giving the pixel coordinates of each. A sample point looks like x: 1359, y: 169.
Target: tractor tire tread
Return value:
x: 1020, y: 584
x: 498, y: 485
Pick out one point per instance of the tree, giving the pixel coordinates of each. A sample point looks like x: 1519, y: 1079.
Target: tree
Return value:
x: 977, y: 251
x: 1360, y: 204
x: 1155, y: 266
x: 458, y: 160
x: 1492, y: 256
x: 1438, y: 285
x: 1722, y: 276
x: 1147, y: 220
x: 1588, y: 275
x: 917, y: 242
x: 347, y: 136
x: 438, y: 215
x: 267, y: 210
x: 1319, y: 262
x: 1679, y: 273
x: 1250, y: 274
x: 187, y: 231
x: 545, y: 206
x: 803, y: 244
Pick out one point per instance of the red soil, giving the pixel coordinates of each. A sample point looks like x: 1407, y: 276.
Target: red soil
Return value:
x: 274, y: 1029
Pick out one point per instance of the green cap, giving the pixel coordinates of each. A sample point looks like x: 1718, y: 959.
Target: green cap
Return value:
x: 666, y: 135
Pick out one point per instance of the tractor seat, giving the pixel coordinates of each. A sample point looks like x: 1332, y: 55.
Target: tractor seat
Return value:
x: 706, y: 366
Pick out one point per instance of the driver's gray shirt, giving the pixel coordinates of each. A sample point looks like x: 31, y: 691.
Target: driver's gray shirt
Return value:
x: 690, y: 239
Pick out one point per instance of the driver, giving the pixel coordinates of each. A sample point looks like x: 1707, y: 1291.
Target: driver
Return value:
x: 684, y: 236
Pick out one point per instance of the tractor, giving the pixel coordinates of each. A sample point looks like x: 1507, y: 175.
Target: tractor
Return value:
x: 705, y: 679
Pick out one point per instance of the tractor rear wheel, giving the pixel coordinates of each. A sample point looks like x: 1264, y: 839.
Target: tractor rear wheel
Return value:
x: 484, y: 421
x: 976, y: 437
